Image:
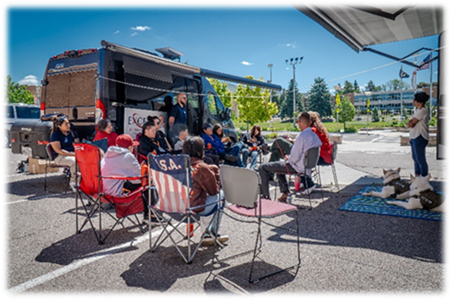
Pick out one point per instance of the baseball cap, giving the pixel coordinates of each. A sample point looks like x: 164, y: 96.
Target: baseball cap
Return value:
x: 207, y: 125
x: 125, y: 141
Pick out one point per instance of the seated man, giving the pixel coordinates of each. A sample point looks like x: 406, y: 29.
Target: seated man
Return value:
x: 293, y: 163
x: 119, y: 161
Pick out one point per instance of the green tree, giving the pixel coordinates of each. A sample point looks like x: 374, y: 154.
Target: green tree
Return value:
x: 396, y: 84
x: 286, y: 101
x: 375, y: 115
x: 347, y: 111
x: 356, y: 87
x: 348, y: 88
x: 253, y: 104
x: 319, y: 98
x: 224, y: 93
x: 17, y: 93
x: 370, y: 87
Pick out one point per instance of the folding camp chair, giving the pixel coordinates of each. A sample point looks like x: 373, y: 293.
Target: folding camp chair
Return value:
x: 50, y: 163
x: 172, y: 178
x: 310, y: 163
x: 332, y: 165
x: 242, y: 190
x: 90, y: 188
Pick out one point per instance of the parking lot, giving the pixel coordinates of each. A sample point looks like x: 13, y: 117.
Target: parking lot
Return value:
x: 341, y: 251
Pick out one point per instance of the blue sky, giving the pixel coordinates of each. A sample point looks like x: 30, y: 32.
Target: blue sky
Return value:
x: 235, y: 40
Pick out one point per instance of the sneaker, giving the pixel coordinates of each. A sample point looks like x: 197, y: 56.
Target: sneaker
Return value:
x: 73, y: 186
x: 210, y: 241
x: 308, y: 191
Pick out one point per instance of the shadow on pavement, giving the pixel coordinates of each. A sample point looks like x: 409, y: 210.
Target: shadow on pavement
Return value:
x: 325, y: 225
x: 85, y: 245
x: 32, y: 187
x: 158, y: 271
x: 235, y: 279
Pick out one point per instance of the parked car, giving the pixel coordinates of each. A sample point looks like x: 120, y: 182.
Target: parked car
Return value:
x: 19, y: 112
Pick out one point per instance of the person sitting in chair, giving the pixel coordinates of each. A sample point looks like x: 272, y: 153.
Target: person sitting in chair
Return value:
x: 215, y: 146
x: 62, y: 140
x: 148, y: 142
x: 293, y: 163
x: 252, y: 145
x: 119, y: 161
x: 205, y: 188
x: 105, y: 131
x: 325, y: 155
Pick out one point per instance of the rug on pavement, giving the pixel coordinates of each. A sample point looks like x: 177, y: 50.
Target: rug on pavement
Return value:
x: 379, y: 206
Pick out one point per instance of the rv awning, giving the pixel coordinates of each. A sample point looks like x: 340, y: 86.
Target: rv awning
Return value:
x: 364, y: 26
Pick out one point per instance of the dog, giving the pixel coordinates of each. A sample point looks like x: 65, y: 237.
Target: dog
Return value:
x: 394, y: 186
x: 422, y: 196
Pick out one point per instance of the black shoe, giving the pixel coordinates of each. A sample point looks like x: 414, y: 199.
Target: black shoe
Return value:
x: 231, y: 158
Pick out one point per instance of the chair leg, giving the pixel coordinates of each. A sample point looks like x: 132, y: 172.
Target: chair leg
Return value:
x: 334, y: 173
x: 320, y: 183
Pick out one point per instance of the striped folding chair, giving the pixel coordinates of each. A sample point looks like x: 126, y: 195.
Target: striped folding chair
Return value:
x: 171, y: 177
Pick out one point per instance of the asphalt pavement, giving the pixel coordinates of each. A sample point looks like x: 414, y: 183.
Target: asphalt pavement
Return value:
x: 342, y: 252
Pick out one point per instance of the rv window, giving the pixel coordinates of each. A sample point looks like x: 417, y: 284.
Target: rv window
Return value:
x: 212, y: 104
x: 220, y: 107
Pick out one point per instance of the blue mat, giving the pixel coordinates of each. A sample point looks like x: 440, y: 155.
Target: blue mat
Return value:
x: 375, y: 205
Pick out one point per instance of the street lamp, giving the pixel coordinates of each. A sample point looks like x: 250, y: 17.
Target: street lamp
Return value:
x: 368, y: 94
x: 270, y: 92
x: 270, y: 73
x: 293, y: 62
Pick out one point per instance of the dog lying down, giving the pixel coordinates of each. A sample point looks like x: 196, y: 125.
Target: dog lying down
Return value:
x: 394, y: 186
x: 422, y: 196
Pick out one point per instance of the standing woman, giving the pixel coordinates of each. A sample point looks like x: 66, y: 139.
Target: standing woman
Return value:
x: 419, y: 134
x: 62, y: 140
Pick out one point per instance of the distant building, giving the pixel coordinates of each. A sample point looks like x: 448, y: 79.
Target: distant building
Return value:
x: 390, y: 100
x: 36, y: 91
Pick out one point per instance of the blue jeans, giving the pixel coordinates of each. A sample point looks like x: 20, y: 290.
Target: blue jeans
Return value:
x: 211, y: 209
x: 418, y: 146
x: 254, y: 157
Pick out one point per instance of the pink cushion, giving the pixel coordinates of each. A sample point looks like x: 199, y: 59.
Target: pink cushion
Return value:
x: 269, y: 209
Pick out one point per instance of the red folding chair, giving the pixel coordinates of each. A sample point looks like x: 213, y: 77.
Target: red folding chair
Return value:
x: 90, y: 188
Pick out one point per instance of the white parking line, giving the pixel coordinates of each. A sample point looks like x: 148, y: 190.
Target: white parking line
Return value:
x: 378, y: 138
x: 34, y: 198
x: 78, y: 264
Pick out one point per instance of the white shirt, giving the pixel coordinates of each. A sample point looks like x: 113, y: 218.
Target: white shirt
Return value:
x: 422, y: 126
x: 305, y: 140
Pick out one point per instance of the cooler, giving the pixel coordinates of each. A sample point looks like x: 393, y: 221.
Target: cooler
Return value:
x: 27, y: 138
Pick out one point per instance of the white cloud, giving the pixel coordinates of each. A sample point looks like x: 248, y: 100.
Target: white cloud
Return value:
x: 29, y: 80
x: 288, y: 45
x: 246, y: 63
x: 141, y: 28
x: 117, y: 31
x: 134, y: 33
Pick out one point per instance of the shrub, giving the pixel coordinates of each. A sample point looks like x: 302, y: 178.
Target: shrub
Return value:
x: 351, y: 129
x: 272, y: 135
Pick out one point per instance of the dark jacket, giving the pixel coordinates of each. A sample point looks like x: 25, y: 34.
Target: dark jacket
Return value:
x: 248, y: 142
x: 205, y: 181
x: 148, y: 145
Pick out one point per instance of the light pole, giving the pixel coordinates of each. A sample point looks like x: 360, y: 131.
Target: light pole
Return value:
x: 270, y: 92
x: 293, y: 62
x: 270, y: 73
x: 368, y: 94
